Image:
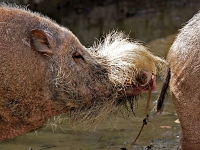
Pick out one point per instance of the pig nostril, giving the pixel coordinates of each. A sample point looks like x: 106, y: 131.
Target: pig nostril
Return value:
x: 77, y: 56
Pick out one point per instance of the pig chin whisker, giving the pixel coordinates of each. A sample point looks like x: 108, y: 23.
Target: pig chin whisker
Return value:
x: 90, y: 117
x: 86, y: 118
x: 127, y: 104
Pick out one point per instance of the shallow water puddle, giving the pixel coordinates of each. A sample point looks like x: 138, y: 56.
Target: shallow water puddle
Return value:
x: 114, y: 133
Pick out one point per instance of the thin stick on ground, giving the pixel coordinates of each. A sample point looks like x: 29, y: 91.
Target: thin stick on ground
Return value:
x: 145, y: 119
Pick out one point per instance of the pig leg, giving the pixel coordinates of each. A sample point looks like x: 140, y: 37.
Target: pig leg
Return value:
x: 186, y: 98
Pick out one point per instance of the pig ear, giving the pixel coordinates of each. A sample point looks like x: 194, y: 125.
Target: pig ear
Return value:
x: 39, y: 40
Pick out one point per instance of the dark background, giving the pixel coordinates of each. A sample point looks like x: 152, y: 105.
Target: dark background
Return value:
x: 145, y: 20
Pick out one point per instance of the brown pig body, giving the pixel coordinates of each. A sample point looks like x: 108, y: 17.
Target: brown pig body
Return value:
x: 46, y: 71
x: 183, y: 80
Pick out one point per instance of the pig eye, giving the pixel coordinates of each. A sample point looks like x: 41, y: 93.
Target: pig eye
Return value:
x: 77, y: 57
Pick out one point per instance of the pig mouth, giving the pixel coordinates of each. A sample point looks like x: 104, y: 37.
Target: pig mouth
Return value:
x: 145, y: 82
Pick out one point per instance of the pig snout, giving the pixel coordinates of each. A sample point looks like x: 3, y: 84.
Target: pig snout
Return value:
x: 145, y: 84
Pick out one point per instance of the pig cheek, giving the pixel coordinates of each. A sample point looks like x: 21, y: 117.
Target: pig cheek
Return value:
x: 84, y: 92
x: 80, y: 79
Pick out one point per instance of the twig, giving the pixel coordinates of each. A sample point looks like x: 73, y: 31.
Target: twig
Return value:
x: 146, y: 118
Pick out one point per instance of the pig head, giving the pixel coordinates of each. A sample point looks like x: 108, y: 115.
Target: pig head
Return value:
x: 45, y: 71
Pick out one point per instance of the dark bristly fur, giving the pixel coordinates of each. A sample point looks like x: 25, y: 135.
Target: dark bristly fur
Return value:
x: 161, y: 98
